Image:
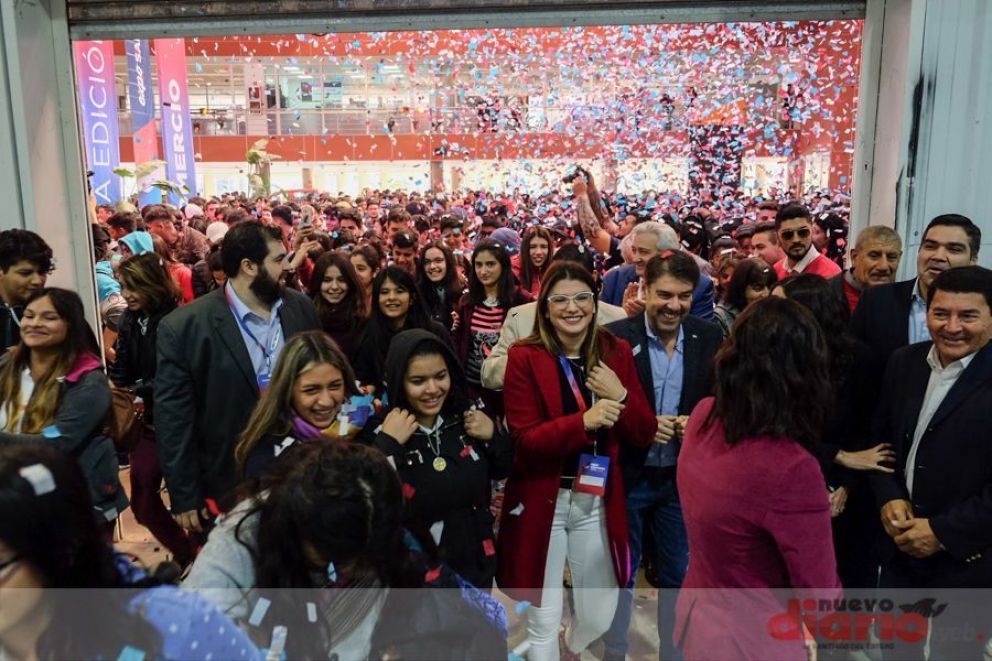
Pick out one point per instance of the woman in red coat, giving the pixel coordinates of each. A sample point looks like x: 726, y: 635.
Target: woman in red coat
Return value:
x: 755, y: 508
x: 572, y: 396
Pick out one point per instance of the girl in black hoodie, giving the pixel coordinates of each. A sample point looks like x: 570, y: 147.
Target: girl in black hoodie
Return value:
x: 446, y: 453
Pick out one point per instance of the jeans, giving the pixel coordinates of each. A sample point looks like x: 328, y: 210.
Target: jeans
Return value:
x: 578, y: 536
x: 653, y: 501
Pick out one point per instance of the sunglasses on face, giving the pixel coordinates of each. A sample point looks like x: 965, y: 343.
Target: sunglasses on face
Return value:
x: 803, y: 233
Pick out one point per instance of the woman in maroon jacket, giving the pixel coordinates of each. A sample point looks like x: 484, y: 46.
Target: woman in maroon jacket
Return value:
x: 756, y: 513
x: 572, y: 398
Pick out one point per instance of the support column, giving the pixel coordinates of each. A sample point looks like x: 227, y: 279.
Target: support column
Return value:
x: 44, y: 184
x: 437, y: 175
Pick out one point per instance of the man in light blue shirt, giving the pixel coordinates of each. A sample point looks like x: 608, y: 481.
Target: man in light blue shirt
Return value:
x: 673, y: 352
x: 263, y: 336
x: 918, y: 331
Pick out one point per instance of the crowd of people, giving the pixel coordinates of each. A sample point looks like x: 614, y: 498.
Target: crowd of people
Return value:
x: 371, y: 413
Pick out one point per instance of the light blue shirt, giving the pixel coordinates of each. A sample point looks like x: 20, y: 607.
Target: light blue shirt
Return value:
x: 268, y: 333
x: 918, y: 331
x: 666, y: 372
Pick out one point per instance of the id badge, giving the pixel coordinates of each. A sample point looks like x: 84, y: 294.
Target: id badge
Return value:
x: 263, y: 382
x: 593, y: 470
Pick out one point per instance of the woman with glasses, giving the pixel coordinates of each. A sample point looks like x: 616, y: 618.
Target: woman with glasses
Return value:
x: 564, y: 500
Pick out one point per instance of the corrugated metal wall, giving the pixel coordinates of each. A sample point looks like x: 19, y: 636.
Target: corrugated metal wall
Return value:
x: 950, y: 169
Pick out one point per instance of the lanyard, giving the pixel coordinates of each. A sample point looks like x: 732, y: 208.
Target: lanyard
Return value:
x: 266, y: 354
x: 580, y: 401
x: 13, y: 315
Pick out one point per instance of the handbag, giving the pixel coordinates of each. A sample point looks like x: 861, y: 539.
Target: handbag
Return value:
x: 126, y: 422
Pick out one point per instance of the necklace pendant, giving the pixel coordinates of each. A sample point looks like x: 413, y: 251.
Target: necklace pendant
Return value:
x: 439, y: 464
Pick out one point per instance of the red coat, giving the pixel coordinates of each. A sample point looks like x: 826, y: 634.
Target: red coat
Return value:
x: 543, y: 436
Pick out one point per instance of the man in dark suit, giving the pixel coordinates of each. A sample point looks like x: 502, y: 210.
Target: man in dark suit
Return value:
x: 891, y: 316
x: 936, y: 408
x: 674, y: 353
x: 215, y: 355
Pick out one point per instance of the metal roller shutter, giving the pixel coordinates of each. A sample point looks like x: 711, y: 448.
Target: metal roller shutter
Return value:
x: 120, y: 19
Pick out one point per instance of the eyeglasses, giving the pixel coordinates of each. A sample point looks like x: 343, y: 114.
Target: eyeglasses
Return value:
x: 561, y: 300
x: 788, y: 234
x: 434, y: 262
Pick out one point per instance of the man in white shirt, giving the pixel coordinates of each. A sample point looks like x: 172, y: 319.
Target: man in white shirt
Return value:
x: 936, y: 410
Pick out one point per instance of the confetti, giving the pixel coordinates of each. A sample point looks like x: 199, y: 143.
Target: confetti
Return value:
x: 39, y: 477
x: 258, y: 613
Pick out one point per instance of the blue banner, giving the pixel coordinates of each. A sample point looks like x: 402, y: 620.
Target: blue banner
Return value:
x: 98, y: 111
x: 142, y: 102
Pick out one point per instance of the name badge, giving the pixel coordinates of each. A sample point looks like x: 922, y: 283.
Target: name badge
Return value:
x: 593, y: 470
x: 263, y: 382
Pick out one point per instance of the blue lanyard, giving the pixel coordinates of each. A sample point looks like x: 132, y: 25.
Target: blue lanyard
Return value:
x: 266, y: 354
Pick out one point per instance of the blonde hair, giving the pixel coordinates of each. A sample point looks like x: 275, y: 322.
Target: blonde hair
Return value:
x: 274, y: 412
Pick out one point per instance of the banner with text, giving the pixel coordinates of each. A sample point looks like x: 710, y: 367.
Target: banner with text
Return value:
x: 177, y: 126
x: 98, y: 109
x: 142, y: 102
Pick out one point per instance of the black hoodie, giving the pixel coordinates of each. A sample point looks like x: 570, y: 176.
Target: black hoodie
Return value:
x: 453, y: 501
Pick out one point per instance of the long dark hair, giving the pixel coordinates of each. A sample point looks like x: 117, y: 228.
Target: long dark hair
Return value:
x: 378, y: 332
x: 749, y: 272
x: 527, y: 269
x: 773, y: 375
x: 343, y: 503
x: 452, y: 290
x: 456, y: 401
x: 831, y: 312
x: 507, y: 285
x: 352, y: 307
x: 56, y: 533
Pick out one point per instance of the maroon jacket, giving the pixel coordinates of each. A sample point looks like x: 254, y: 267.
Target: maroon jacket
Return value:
x: 758, y: 522
x: 543, y: 436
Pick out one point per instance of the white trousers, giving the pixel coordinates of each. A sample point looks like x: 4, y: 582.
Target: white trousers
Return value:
x: 578, y: 535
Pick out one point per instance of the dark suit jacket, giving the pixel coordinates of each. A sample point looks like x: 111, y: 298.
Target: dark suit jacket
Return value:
x: 702, y: 339
x: 952, y: 484
x: 205, y: 390
x: 881, y: 319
